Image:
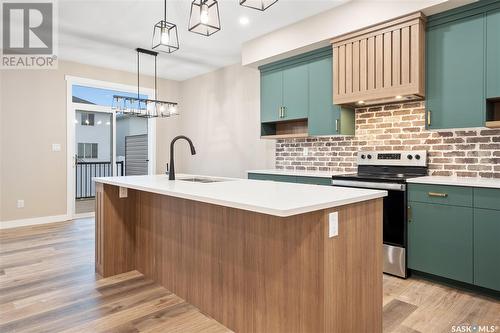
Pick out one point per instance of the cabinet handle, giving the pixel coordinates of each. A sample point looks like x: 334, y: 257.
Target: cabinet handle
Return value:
x: 336, y: 125
x: 279, y: 112
x: 439, y: 195
x: 429, y: 113
x: 284, y: 111
x: 409, y: 213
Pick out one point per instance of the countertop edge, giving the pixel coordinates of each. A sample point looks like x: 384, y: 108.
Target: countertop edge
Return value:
x: 452, y: 181
x: 256, y: 209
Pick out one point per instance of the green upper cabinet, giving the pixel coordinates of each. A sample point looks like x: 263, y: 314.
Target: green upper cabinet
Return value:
x: 493, y: 54
x: 271, y: 87
x: 295, y: 92
x: 322, y: 113
x: 301, y: 89
x: 455, y: 73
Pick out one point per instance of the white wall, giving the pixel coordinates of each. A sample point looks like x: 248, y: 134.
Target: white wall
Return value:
x: 316, y: 31
x: 220, y: 113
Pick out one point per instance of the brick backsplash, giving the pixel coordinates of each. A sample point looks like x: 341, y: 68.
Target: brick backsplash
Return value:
x: 471, y: 152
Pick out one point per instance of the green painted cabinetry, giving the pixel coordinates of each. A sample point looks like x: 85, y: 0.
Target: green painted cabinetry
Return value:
x: 462, y: 66
x: 276, y: 178
x: 326, y: 118
x: 291, y: 179
x: 455, y: 75
x: 301, y: 88
x: 295, y: 92
x: 440, y: 240
x: 487, y: 248
x: 271, y: 95
x: 454, y: 232
x: 493, y: 54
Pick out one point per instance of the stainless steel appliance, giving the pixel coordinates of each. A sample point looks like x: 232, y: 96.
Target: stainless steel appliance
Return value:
x: 388, y: 170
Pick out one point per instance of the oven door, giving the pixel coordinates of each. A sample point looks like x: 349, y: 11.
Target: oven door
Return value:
x: 394, y: 223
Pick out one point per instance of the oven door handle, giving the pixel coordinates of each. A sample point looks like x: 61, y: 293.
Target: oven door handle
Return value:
x: 370, y: 185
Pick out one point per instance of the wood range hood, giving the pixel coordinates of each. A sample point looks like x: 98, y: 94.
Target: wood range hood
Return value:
x: 380, y: 64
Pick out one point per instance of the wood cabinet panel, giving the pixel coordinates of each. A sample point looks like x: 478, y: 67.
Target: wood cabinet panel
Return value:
x: 388, y: 58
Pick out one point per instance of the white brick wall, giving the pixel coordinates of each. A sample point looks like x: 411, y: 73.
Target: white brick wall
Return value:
x: 471, y: 152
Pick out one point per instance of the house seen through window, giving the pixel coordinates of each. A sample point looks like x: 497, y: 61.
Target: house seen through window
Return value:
x: 87, y: 119
x: 87, y: 150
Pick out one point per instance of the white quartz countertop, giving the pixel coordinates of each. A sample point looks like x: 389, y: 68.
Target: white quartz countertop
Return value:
x: 457, y: 181
x: 268, y: 197
x: 320, y: 174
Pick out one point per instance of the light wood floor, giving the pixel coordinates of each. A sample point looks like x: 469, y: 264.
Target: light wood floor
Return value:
x: 47, y: 284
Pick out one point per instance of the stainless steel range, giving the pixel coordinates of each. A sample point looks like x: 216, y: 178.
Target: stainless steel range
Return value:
x: 389, y: 170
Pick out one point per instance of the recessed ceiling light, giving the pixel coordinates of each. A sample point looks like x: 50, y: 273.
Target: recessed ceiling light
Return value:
x: 244, y: 20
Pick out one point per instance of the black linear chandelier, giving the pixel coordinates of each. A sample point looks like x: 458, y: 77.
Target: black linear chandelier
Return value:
x: 144, y: 107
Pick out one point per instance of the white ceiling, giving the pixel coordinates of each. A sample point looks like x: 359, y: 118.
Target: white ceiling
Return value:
x: 106, y: 32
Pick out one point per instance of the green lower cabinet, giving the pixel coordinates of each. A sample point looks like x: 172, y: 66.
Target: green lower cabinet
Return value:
x: 487, y: 248
x: 314, y: 180
x: 440, y: 240
x: 276, y: 178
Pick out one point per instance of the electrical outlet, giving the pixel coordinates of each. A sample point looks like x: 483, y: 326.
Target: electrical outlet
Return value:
x: 333, y: 224
x: 122, y: 192
x: 56, y: 147
x: 305, y: 151
x: 20, y: 203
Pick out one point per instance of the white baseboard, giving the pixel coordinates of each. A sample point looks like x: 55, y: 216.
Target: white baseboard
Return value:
x: 33, y: 221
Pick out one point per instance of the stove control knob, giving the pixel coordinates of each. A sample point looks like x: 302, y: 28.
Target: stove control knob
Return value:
x: 369, y: 156
x: 410, y: 157
x: 363, y: 156
x: 417, y: 156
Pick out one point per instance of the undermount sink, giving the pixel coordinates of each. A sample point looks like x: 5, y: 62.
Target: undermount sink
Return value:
x: 203, y: 180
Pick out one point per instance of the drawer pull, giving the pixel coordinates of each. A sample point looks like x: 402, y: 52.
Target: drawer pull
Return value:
x: 439, y: 195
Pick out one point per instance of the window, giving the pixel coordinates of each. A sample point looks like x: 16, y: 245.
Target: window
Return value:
x: 87, y: 150
x: 87, y: 119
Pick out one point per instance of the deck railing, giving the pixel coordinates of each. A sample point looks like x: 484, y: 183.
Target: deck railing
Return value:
x: 85, y: 171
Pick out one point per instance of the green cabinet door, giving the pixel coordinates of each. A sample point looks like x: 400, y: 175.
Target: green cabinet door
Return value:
x: 271, y: 92
x: 440, y: 240
x: 487, y: 248
x: 296, y: 92
x: 323, y: 115
x: 455, y: 73
x: 493, y: 54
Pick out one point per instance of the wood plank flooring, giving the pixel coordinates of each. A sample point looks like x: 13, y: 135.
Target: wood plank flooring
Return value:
x: 48, y: 284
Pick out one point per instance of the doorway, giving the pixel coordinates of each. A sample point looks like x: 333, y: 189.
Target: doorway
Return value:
x: 102, y: 143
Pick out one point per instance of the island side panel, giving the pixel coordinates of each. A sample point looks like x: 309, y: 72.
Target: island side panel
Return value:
x: 115, y: 220
x: 254, y: 272
x: 354, y: 270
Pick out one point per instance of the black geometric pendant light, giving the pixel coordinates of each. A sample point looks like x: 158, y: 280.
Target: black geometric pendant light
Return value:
x: 258, y: 4
x: 204, y: 18
x: 165, y: 36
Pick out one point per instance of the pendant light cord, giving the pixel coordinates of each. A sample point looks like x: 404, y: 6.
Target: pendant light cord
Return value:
x: 165, y: 10
x: 138, y: 69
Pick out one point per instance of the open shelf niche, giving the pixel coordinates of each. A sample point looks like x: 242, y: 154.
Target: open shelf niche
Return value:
x: 284, y: 129
x: 493, y: 113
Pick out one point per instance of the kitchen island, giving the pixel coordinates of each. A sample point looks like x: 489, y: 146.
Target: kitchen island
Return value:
x: 257, y: 256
